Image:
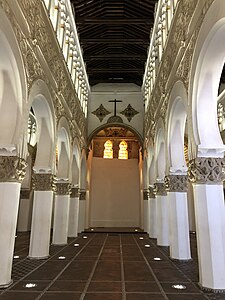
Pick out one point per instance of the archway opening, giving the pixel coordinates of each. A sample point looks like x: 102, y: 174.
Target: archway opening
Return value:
x: 115, y: 182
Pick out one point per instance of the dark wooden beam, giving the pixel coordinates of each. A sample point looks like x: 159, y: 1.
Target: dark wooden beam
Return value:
x: 114, y: 41
x: 113, y: 21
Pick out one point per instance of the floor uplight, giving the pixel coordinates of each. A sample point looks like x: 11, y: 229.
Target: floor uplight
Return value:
x: 85, y: 237
x: 179, y: 286
x: 147, y: 246
x: 157, y: 258
x: 30, y: 285
x: 16, y: 256
x: 61, y: 257
x: 76, y: 245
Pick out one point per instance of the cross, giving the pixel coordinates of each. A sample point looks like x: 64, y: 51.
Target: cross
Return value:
x: 115, y: 101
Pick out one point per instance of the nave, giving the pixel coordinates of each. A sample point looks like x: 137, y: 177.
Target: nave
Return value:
x: 105, y: 265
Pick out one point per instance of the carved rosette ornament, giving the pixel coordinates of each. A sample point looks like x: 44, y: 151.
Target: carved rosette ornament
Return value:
x: 63, y: 188
x: 176, y: 183
x: 74, y: 192
x: 206, y: 170
x: 151, y: 192
x: 82, y: 194
x: 44, y: 182
x: 160, y: 189
x: 145, y: 194
x: 12, y: 169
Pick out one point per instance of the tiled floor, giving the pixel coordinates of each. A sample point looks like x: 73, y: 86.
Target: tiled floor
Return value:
x: 104, y: 266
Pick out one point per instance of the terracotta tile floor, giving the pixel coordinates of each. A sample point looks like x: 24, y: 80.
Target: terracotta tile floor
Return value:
x: 105, y: 266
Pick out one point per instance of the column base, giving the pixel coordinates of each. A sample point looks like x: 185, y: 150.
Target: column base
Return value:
x: 54, y: 244
x: 215, y: 291
x: 5, y: 286
x: 181, y: 260
x: 38, y: 257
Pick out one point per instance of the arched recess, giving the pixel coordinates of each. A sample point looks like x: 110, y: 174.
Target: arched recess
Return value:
x: 75, y: 164
x: 177, y: 115
x: 135, y: 132
x: 207, y: 64
x: 40, y: 101
x: 151, y: 169
x: 13, y: 91
x: 63, y: 150
x: 160, y: 155
x: 83, y: 171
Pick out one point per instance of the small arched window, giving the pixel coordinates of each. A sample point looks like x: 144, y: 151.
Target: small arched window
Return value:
x: 108, y: 151
x: 123, y: 153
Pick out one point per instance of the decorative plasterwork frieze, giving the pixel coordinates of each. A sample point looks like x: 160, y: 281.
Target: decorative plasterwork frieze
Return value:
x: 151, y: 192
x: 82, y: 194
x: 145, y: 194
x: 12, y: 169
x: 24, y: 193
x: 176, y: 183
x: 63, y: 188
x: 206, y: 170
x: 74, y: 192
x: 41, y: 36
x: 160, y: 189
x: 44, y: 182
x: 180, y: 40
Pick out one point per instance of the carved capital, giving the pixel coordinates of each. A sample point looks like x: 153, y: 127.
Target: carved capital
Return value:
x: 43, y: 182
x: 24, y: 193
x: 82, y: 194
x: 63, y: 188
x: 206, y: 170
x: 145, y: 194
x: 160, y: 189
x: 151, y: 192
x: 12, y: 169
x: 74, y: 192
x: 176, y: 183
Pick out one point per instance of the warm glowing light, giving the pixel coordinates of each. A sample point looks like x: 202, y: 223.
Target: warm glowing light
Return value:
x: 76, y: 245
x: 108, y: 152
x: 123, y: 153
x: 179, y: 286
x: 30, y: 285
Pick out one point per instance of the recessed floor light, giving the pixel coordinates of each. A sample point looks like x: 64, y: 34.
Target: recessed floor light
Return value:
x: 136, y: 230
x: 92, y: 229
x: 147, y: 246
x: 15, y: 236
x: 157, y: 258
x: 179, y: 286
x: 61, y: 257
x: 141, y: 238
x: 85, y: 237
x: 16, y: 256
x: 30, y: 285
x: 76, y: 245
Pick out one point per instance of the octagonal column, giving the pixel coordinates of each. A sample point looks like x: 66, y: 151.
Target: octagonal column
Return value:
x: 207, y: 177
x: 152, y: 214
x: 12, y: 171
x: 44, y: 186
x: 73, y: 212
x: 178, y: 217
x: 61, y: 213
x: 162, y: 214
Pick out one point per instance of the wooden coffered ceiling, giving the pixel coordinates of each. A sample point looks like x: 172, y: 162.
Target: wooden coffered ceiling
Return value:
x: 114, y: 36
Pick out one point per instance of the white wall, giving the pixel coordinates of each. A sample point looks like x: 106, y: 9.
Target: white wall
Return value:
x: 129, y: 93
x: 115, y: 193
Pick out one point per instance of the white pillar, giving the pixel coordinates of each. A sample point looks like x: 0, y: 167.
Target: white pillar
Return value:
x: 82, y: 210
x: 191, y: 208
x: 61, y: 214
x: 11, y: 174
x: 178, y: 217
x: 152, y: 214
x: 206, y: 175
x: 162, y: 215
x: 25, y: 210
x: 41, y: 216
x: 146, y: 210
x: 73, y: 213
